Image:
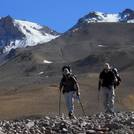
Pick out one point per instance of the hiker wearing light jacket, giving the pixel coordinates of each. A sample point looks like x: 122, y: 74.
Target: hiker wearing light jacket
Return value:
x: 70, y: 88
x: 107, y: 81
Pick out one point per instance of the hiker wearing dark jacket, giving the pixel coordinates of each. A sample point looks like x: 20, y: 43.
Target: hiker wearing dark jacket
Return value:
x: 107, y: 80
x: 70, y: 88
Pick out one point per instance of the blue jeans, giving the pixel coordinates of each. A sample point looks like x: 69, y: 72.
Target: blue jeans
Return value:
x: 69, y: 99
x: 108, y: 98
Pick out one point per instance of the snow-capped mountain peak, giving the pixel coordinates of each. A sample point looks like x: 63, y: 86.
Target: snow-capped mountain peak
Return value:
x: 102, y: 17
x: 33, y: 32
x: 18, y: 33
x: 96, y: 17
x: 127, y: 16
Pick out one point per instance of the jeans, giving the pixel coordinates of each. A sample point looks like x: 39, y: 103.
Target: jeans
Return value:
x: 108, y: 98
x: 69, y: 99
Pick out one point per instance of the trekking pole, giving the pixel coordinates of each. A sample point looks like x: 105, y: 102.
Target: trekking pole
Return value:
x: 118, y: 98
x: 60, y: 103
x: 98, y: 97
x: 81, y: 106
x: 99, y: 88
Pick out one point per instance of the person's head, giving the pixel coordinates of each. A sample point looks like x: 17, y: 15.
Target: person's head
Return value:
x: 67, y: 67
x: 66, y: 72
x: 107, y: 66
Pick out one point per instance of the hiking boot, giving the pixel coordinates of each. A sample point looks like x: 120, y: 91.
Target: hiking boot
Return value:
x: 110, y: 112
x: 71, y: 115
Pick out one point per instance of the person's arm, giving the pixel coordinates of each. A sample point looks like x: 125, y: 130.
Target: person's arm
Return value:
x: 77, y: 89
x: 76, y: 86
x: 119, y: 78
x: 99, y: 84
x: 61, y: 85
x: 100, y: 81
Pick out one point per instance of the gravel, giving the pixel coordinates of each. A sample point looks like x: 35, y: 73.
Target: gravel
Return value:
x: 101, y: 123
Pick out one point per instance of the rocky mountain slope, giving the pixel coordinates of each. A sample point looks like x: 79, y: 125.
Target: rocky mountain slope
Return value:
x: 86, y: 49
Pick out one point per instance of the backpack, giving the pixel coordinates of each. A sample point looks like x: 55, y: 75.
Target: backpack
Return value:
x: 117, y: 76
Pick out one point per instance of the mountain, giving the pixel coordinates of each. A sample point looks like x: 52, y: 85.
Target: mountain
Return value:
x: 87, y: 46
x: 85, y: 49
x: 18, y: 34
x: 126, y: 16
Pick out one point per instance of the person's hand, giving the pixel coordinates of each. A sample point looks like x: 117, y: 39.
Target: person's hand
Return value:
x: 60, y: 89
x: 99, y: 89
x: 78, y: 93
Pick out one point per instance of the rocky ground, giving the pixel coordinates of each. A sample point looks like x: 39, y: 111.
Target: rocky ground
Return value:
x: 119, y: 123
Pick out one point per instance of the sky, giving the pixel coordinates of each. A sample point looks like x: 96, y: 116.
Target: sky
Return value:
x: 59, y: 15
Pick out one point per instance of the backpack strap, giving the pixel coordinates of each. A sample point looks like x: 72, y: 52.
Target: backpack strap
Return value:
x: 74, y: 77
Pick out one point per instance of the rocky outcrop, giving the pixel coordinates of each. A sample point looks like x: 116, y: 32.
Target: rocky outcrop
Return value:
x: 127, y: 14
x: 7, y: 28
x: 9, y: 32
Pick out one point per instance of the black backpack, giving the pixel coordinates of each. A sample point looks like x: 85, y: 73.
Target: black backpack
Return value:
x: 117, y: 76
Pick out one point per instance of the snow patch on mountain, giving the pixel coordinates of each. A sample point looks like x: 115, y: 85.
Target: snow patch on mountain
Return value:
x: 47, y: 62
x: 33, y: 33
x: 101, y: 46
x: 130, y: 21
x: 101, y: 17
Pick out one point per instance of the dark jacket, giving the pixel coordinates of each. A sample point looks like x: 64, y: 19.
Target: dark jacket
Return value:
x: 108, y: 78
x: 69, y: 83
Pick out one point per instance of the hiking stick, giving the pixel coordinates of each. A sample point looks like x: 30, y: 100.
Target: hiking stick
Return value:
x: 117, y: 98
x: 99, y: 88
x: 60, y: 103
x: 81, y: 106
x: 98, y: 97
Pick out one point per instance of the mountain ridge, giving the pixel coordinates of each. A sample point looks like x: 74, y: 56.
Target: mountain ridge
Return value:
x: 18, y: 33
x: 126, y: 16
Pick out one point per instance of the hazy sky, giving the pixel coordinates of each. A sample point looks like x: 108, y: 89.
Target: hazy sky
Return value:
x: 59, y: 14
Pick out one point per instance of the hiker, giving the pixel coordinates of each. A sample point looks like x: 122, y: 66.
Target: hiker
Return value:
x: 70, y: 88
x: 108, y: 81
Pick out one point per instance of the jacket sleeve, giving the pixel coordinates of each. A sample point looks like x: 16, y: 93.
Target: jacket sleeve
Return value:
x: 101, y: 75
x: 76, y: 84
x: 61, y: 84
x: 100, y: 80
